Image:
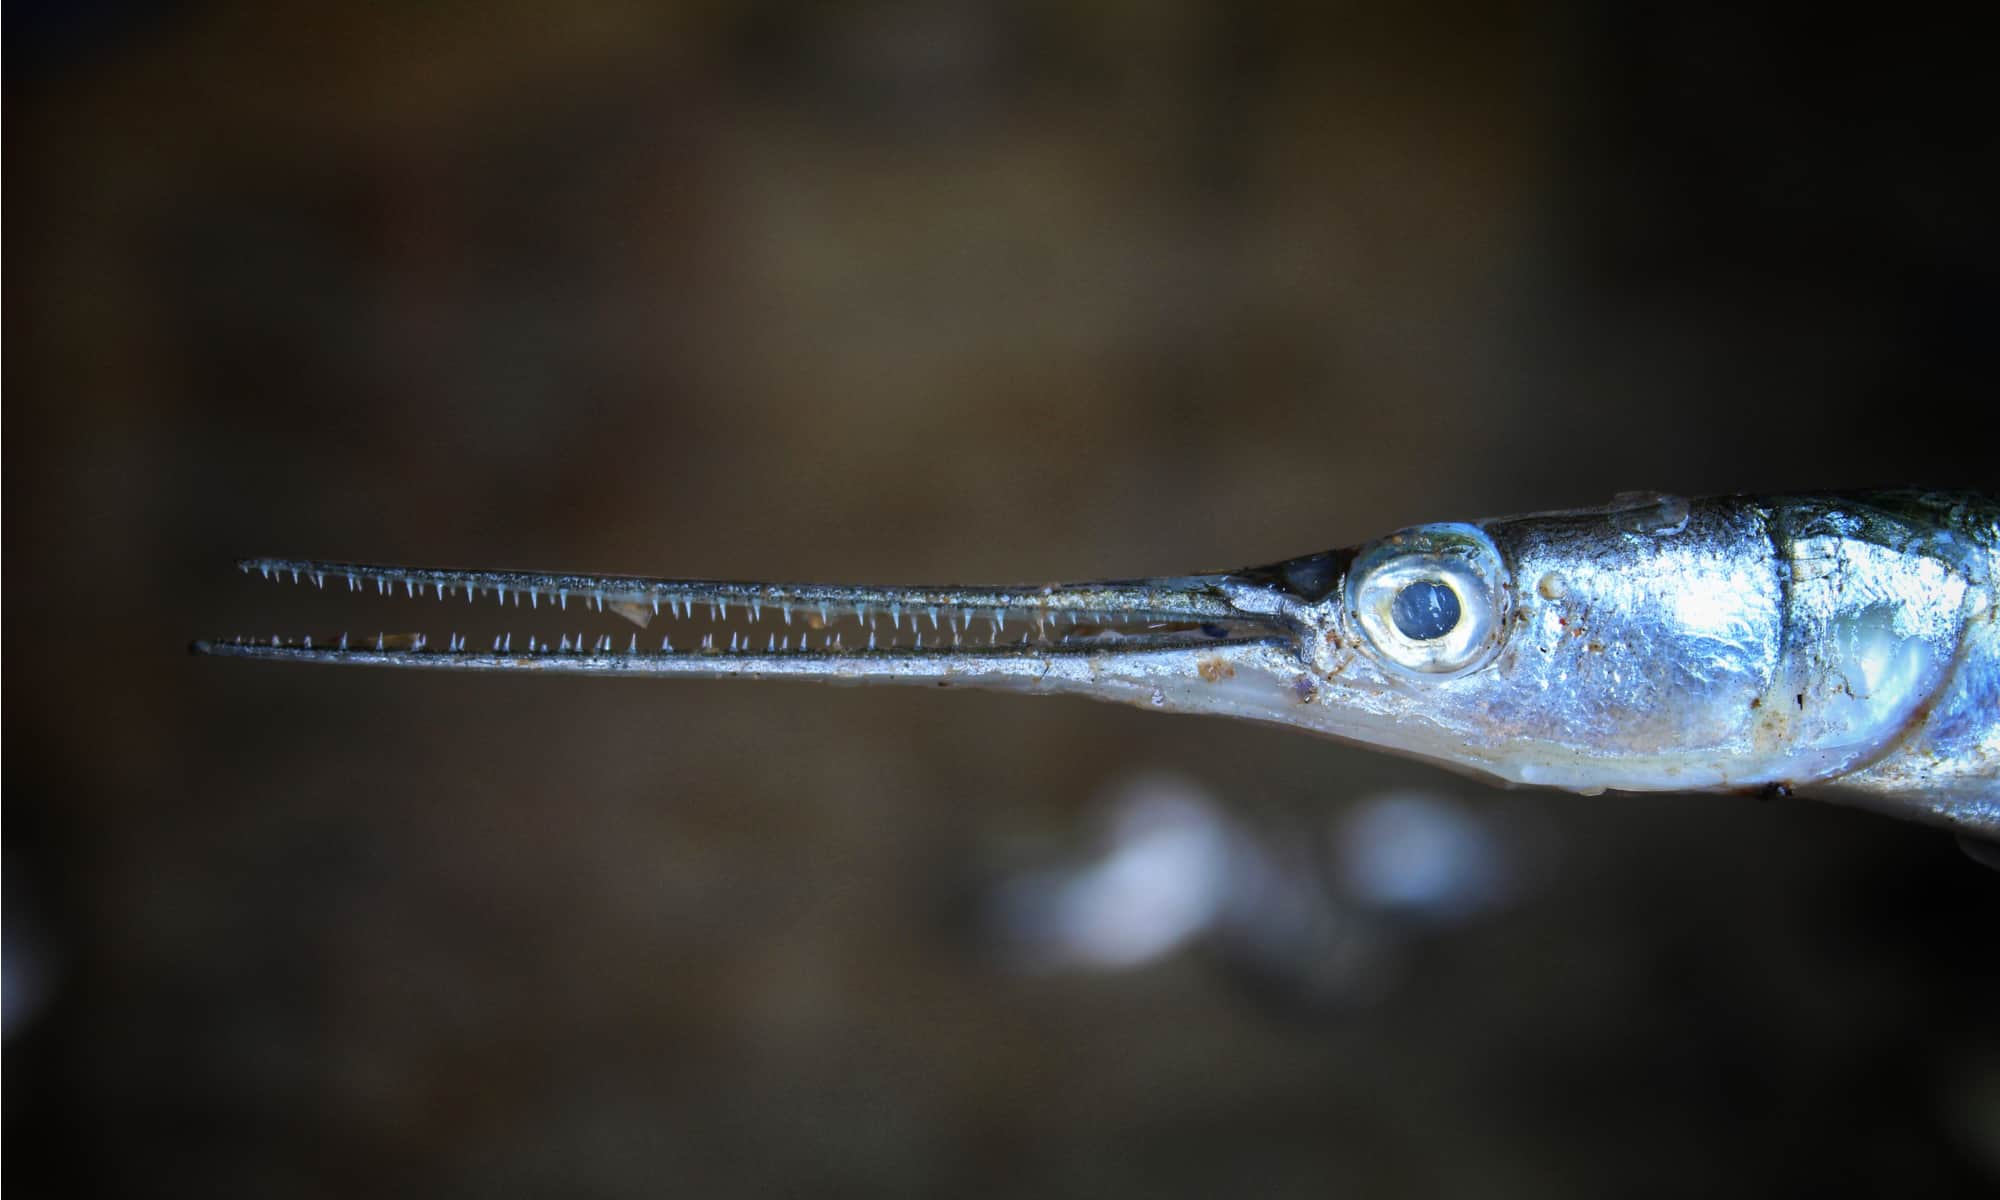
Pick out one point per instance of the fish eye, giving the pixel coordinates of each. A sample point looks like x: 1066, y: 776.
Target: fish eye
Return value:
x: 1429, y: 600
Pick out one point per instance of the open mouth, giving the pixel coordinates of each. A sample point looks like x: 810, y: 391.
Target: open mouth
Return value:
x: 505, y: 620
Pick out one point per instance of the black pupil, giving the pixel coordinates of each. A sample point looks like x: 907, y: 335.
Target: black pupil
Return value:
x: 1425, y: 610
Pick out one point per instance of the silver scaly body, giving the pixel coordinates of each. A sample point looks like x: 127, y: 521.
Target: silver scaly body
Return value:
x: 1839, y: 646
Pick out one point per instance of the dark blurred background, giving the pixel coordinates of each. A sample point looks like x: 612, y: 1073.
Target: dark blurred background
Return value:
x: 939, y: 292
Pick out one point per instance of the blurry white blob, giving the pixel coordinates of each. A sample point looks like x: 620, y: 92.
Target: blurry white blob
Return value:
x: 1162, y: 880
x: 1175, y: 866
x: 1418, y: 853
x: 24, y: 965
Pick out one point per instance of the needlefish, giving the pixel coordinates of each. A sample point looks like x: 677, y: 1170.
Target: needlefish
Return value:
x: 1839, y: 646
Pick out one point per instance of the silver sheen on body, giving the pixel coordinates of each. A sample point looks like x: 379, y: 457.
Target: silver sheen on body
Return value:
x: 1841, y: 646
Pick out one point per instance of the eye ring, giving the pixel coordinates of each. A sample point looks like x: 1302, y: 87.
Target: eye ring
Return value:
x: 1430, y: 600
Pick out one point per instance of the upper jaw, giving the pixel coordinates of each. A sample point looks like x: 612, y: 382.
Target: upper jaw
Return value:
x: 829, y: 631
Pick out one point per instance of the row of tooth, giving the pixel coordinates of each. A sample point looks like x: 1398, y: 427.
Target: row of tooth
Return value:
x: 718, y: 607
x: 386, y: 585
x: 605, y: 644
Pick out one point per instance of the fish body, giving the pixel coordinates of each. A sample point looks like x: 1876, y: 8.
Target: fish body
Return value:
x: 1835, y: 646
x: 1842, y: 646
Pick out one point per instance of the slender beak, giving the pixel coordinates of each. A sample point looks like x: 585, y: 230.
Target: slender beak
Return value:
x: 1228, y: 644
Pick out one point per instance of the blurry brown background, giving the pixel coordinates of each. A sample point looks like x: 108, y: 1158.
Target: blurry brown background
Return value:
x: 957, y: 291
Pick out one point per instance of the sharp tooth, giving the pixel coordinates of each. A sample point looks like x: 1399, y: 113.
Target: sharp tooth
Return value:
x: 319, y: 580
x: 501, y: 592
x: 756, y: 609
x: 378, y: 640
x: 708, y: 641
x: 343, y: 641
x: 308, y: 642
x: 722, y: 609
x: 353, y: 584
x: 788, y: 612
x: 507, y: 642
x: 496, y: 643
x: 666, y: 647
x: 563, y: 593
x: 871, y: 639
x: 861, y: 614
x: 824, y: 619
x: 440, y: 587
x: 896, y: 616
x: 599, y: 596
x: 656, y: 604
x: 770, y: 643
x: 999, y: 619
x: 634, y: 647
x: 295, y: 574
x: 534, y: 598
x: 265, y: 568
x: 565, y: 641
x: 967, y: 614
x: 934, y: 623
x: 920, y: 641
x: 410, y: 587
